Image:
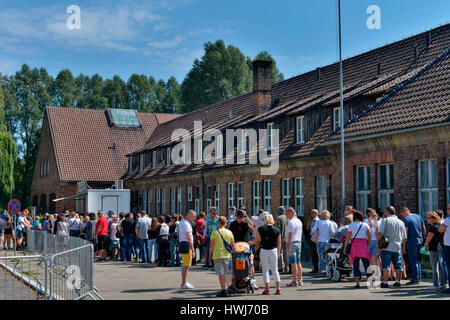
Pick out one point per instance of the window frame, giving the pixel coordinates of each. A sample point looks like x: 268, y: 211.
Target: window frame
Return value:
x: 300, y: 130
x: 172, y: 200
x: 388, y: 192
x: 163, y: 201
x: 256, y: 192
x: 217, y: 198
x: 168, y: 157
x: 270, y: 127
x: 321, y: 197
x: 158, y: 202
x: 429, y: 190
x: 286, y: 194
x: 299, y: 196
x: 267, y: 191
x: 366, y: 193
x: 240, y: 200
x: 230, y: 196
x: 338, y: 118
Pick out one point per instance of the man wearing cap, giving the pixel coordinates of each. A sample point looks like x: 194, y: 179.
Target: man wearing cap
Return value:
x: 281, y: 224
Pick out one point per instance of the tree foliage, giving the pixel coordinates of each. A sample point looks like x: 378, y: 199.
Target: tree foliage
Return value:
x: 8, y: 156
x: 222, y: 72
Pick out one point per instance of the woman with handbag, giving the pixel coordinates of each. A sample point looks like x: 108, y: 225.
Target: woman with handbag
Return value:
x: 312, y: 238
x: 220, y: 248
x: 325, y: 230
x: 357, y: 245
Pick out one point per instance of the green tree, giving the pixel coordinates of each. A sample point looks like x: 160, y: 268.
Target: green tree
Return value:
x: 8, y: 157
x: 26, y: 96
x: 66, y: 93
x: 94, y: 98
x: 82, y: 83
x: 139, y: 93
x: 276, y: 75
x: 220, y: 74
x: 115, y: 91
x: 160, y: 92
x: 171, y: 102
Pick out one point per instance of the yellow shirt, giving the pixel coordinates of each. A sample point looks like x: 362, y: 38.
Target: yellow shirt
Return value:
x: 220, y: 252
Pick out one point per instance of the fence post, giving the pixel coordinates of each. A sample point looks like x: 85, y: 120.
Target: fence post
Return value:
x: 45, y: 243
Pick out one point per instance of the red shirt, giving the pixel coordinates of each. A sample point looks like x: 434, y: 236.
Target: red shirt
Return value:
x: 101, y: 227
x: 199, y: 224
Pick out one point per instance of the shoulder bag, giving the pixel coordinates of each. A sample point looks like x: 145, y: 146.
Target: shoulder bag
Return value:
x: 383, y: 242
x: 225, y: 243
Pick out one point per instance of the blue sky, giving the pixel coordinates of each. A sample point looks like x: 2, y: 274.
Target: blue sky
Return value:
x: 162, y: 38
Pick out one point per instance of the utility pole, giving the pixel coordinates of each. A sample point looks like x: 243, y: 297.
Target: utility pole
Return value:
x: 341, y: 114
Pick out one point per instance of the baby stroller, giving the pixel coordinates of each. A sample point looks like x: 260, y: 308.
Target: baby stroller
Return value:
x: 338, y: 267
x: 241, y: 266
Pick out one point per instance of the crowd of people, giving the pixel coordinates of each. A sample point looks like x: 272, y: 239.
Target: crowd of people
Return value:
x: 389, y: 241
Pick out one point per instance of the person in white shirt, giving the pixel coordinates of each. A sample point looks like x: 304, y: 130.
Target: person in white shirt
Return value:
x: 74, y: 224
x: 445, y: 229
x: 326, y: 229
x: 293, y: 239
x: 186, y: 240
x: 2, y: 228
x: 373, y: 222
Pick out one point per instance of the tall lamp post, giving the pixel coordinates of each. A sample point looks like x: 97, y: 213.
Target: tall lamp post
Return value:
x: 341, y: 114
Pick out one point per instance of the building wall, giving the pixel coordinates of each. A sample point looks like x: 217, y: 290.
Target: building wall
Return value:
x: 404, y: 151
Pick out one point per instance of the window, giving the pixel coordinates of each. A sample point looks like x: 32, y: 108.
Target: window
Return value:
x: 197, y: 205
x: 336, y: 118
x: 189, y: 193
x: 240, y: 194
x: 428, y: 190
x: 286, y: 193
x: 256, y: 196
x: 130, y: 164
x: 385, y: 185
x: 172, y: 200
x: 149, y: 202
x: 363, y: 198
x: 48, y: 167
x: 163, y: 201
x: 269, y: 135
x: 168, y: 156
x: 217, y: 198
x: 141, y: 162
x: 448, y: 181
x: 321, y: 193
x: 144, y: 200
x: 230, y: 195
x: 153, y: 159
x: 301, y: 129
x: 298, y: 193
x: 41, y: 169
x: 124, y: 118
x: 179, y: 200
x: 209, y: 197
x: 267, y: 195
x: 158, y: 202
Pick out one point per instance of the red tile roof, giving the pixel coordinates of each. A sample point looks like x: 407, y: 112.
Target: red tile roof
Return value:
x: 87, y: 148
x: 374, y: 72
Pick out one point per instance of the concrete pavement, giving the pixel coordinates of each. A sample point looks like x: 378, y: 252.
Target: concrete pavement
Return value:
x: 136, y: 281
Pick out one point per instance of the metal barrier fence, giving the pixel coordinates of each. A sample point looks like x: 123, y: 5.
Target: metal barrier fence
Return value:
x: 23, y: 278
x: 62, y: 268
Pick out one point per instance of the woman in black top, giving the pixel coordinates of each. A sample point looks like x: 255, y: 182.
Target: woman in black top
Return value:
x: 434, y: 237
x: 270, y: 241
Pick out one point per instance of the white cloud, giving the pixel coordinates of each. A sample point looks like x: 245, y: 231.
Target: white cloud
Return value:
x: 166, y: 44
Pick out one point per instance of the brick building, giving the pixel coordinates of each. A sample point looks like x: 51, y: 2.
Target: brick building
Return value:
x: 79, y: 144
x: 397, y: 132
x: 397, y: 140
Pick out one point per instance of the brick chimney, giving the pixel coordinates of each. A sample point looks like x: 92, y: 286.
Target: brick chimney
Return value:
x: 262, y: 85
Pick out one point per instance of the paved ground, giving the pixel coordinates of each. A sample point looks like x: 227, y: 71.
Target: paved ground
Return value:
x: 128, y: 280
